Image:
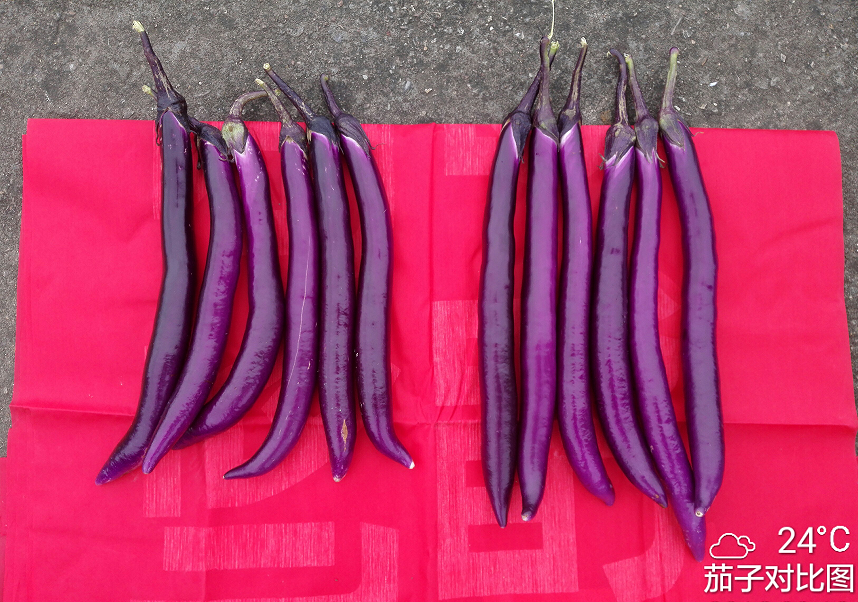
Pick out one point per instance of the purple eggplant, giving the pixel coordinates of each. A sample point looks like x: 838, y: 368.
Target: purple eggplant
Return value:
x: 264, y: 330
x: 609, y: 336
x: 302, y: 306
x: 574, y: 406
x: 171, y: 333
x: 336, y: 353
x: 697, y: 333
x: 650, y: 378
x: 539, y: 300
x: 496, y: 327
x: 214, y: 306
x: 372, y: 338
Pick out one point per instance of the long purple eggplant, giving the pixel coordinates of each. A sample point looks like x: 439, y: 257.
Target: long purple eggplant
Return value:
x: 168, y: 345
x: 699, y: 355
x: 336, y: 354
x: 496, y: 327
x: 609, y: 336
x: 301, y: 345
x: 539, y: 300
x: 264, y: 330
x: 650, y: 378
x: 372, y: 338
x: 574, y: 407
x: 214, y: 306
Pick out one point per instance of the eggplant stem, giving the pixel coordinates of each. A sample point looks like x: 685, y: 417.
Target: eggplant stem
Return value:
x: 162, y: 82
x: 335, y: 109
x: 306, y: 112
x: 284, y: 115
x: 574, y: 99
x: 234, y: 131
x: 640, y: 106
x: 542, y: 114
x: 670, y: 86
x: 620, y: 108
x: 527, y: 100
x: 238, y: 105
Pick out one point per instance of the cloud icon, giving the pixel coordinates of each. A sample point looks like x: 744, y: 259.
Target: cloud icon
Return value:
x: 732, y: 546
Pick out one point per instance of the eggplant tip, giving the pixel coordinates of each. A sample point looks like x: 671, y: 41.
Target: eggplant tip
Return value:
x: 239, y: 472
x: 412, y: 465
x: 699, y: 513
x: 608, y: 497
x: 583, y: 42
x: 526, y: 516
x: 266, y: 66
x: 337, y: 479
x: 137, y: 26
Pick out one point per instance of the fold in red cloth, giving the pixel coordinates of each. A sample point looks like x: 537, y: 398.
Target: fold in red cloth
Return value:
x: 88, y: 282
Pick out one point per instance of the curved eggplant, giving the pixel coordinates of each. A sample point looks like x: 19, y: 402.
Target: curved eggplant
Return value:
x: 372, y: 339
x: 574, y: 406
x: 301, y: 345
x: 697, y: 334
x: 609, y: 337
x: 336, y: 354
x: 171, y: 333
x: 539, y: 301
x: 650, y: 378
x: 264, y: 330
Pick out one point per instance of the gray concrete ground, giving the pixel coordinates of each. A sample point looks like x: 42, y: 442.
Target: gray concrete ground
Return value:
x: 744, y: 64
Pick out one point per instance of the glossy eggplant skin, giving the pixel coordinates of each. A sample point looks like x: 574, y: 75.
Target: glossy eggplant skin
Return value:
x: 337, y: 306
x: 496, y: 328
x: 264, y: 330
x: 609, y: 335
x: 171, y: 333
x: 372, y: 338
x: 574, y: 405
x: 301, y: 340
x: 496, y: 324
x: 336, y: 356
x: 538, y: 354
x: 699, y: 313
x: 650, y: 377
x: 538, y: 321
x: 214, y: 306
x: 653, y: 393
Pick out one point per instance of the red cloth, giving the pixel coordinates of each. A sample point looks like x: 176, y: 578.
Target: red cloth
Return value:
x: 89, y: 274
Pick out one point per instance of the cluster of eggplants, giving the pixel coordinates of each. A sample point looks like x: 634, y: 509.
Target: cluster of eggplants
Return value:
x: 599, y: 328
x: 326, y: 325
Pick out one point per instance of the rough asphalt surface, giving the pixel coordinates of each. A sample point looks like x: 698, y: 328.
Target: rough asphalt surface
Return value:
x: 780, y: 64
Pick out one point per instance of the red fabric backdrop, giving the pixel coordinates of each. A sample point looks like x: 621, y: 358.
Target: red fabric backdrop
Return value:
x: 89, y: 274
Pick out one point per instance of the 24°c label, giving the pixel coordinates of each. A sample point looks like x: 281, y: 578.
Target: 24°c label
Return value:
x: 733, y: 570
x: 837, y: 538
